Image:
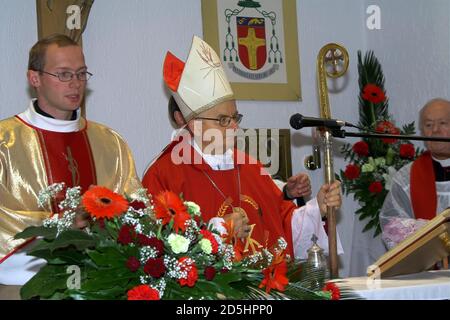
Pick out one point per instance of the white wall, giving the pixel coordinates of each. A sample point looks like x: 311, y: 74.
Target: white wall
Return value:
x: 125, y: 43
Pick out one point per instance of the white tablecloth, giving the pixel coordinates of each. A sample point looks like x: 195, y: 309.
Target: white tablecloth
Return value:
x: 430, y: 285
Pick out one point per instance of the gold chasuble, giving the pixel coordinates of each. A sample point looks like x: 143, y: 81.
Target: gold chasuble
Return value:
x: 32, y: 158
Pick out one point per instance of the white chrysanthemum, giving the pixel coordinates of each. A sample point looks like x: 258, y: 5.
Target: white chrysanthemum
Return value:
x: 178, y: 244
x: 193, y: 208
x: 206, y: 246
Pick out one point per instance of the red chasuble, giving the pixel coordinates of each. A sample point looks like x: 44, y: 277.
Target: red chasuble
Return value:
x: 259, y: 196
x: 68, y: 158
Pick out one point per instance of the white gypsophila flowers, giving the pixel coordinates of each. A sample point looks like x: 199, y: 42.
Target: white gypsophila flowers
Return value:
x: 253, y: 259
x: 192, y: 229
x: 49, y: 193
x: 193, y: 208
x: 174, y: 268
x: 178, y: 243
x: 133, y: 218
x: 268, y: 254
x: 160, y: 286
x: 72, y: 199
x: 63, y: 223
x: 228, y: 256
x: 146, y: 253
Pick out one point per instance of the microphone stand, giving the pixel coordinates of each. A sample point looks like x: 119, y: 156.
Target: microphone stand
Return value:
x: 340, y: 133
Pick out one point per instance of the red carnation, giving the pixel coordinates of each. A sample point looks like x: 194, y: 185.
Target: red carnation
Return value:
x: 153, y: 242
x: 155, y: 267
x: 143, y: 292
x: 376, y: 187
x: 373, y: 93
x: 333, y: 289
x: 126, y: 234
x: 133, y: 264
x: 208, y: 235
x: 361, y: 148
x: 352, y: 172
x: 137, y: 205
x: 389, y: 128
x: 188, y: 265
x: 210, y: 273
x: 407, y: 151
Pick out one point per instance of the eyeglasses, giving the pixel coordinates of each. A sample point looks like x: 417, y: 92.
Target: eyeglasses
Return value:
x: 66, y: 76
x: 225, y: 121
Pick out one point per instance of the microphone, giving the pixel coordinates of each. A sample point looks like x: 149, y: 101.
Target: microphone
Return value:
x: 298, y: 121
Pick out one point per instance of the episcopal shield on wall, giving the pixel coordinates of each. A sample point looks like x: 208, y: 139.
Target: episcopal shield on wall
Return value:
x: 251, y: 34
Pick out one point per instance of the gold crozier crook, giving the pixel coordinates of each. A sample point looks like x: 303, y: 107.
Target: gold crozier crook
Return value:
x: 332, y: 61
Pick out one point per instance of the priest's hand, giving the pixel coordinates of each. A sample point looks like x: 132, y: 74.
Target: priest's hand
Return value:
x: 298, y: 186
x: 329, y: 196
x: 240, y: 223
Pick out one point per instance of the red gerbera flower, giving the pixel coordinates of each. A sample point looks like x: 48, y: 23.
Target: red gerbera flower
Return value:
x: 143, y: 292
x: 169, y: 206
x: 333, y: 289
x: 188, y: 265
x: 373, y: 93
x: 101, y: 202
x: 387, y: 127
x: 275, y: 275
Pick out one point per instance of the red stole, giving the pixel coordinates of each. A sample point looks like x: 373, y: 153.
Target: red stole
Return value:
x: 68, y: 158
x: 423, y: 188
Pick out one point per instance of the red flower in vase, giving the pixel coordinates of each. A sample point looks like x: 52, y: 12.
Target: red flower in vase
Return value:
x: 352, y: 172
x: 361, y: 148
x: 188, y: 265
x: 101, y: 202
x: 275, y: 275
x: 373, y: 93
x: 376, y: 187
x: 333, y: 289
x: 407, y: 151
x: 143, y: 292
x: 389, y: 128
x: 169, y: 206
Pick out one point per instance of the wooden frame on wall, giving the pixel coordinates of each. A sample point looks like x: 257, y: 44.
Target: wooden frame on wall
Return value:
x: 227, y: 22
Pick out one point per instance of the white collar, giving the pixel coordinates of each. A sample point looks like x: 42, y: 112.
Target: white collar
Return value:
x: 218, y: 161
x: 35, y: 119
x: 443, y: 163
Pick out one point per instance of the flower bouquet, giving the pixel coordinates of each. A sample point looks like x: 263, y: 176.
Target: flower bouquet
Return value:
x: 373, y: 162
x: 139, y: 249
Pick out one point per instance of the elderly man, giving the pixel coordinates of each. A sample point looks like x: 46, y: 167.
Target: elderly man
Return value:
x: 421, y: 189
x: 228, y: 185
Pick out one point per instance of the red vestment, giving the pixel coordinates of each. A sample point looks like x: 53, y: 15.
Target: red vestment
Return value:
x: 259, y: 196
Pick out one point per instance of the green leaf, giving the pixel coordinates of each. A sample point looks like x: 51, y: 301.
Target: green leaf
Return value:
x: 50, y: 280
x: 41, y: 231
x: 77, y: 238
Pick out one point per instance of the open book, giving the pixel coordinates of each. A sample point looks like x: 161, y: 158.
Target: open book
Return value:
x: 417, y: 253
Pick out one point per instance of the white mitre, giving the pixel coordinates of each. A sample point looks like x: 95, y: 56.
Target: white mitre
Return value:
x: 200, y: 83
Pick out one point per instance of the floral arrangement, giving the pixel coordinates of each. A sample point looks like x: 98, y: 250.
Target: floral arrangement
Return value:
x: 140, y: 249
x: 373, y: 162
